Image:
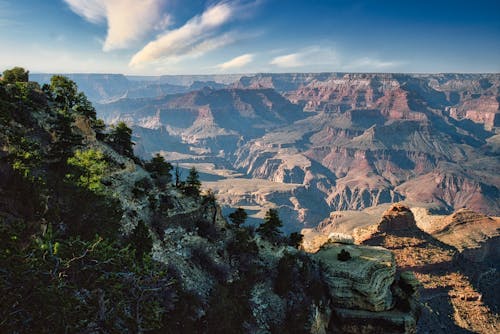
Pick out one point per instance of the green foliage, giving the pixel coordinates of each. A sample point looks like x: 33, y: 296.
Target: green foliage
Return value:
x: 99, y: 126
x: 159, y: 170
x: 238, y: 217
x: 89, y: 167
x: 24, y: 156
x: 64, y: 141
x: 270, y: 228
x: 295, y: 239
x: 16, y: 74
x: 63, y: 92
x: 120, y: 139
x: 141, y: 241
x: 77, y: 286
x: 193, y: 184
x: 344, y: 255
x: 229, y: 309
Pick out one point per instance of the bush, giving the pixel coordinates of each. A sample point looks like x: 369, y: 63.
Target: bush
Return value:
x: 344, y: 255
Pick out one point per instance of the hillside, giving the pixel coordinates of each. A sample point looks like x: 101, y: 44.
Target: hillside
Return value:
x: 93, y: 239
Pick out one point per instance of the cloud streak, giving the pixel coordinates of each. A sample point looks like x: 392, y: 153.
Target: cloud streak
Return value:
x: 367, y: 63
x: 196, y: 37
x: 237, y: 62
x: 128, y: 21
x: 312, y: 56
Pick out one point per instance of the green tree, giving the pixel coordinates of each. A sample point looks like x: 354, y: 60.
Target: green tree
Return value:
x: 269, y: 229
x: 159, y: 169
x: 64, y: 92
x: 295, y: 239
x: 89, y: 168
x: 238, y: 217
x: 16, y: 74
x: 64, y: 140
x: 141, y: 240
x: 120, y: 139
x: 193, y: 183
x: 82, y: 106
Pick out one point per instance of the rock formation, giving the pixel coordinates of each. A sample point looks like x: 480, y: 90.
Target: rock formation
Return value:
x: 450, y: 294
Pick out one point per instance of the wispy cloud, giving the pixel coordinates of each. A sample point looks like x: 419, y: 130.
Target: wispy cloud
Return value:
x: 128, y: 21
x: 370, y: 64
x: 196, y: 37
x: 289, y: 60
x: 237, y: 62
x: 312, y: 56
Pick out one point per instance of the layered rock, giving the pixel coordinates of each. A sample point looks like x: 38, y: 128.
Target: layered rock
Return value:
x: 362, y: 282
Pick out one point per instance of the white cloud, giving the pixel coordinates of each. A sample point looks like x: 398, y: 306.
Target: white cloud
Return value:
x: 290, y: 60
x: 370, y: 64
x: 312, y: 56
x: 196, y: 37
x: 128, y: 20
x: 237, y: 62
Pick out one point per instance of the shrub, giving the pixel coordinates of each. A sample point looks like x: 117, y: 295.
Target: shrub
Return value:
x: 238, y: 217
x: 344, y: 255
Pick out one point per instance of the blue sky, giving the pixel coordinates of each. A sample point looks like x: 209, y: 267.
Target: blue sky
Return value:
x: 246, y: 36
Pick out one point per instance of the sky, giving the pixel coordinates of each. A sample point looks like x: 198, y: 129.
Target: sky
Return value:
x: 160, y: 37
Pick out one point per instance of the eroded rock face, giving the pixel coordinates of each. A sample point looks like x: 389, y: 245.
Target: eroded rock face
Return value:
x: 362, y: 282
x: 449, y: 272
x: 397, y: 218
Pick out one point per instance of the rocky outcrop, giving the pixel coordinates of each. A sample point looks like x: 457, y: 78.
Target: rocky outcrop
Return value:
x: 440, y: 267
x: 362, y: 282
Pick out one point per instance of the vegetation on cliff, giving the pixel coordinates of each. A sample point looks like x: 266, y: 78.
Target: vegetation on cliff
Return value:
x: 95, y: 240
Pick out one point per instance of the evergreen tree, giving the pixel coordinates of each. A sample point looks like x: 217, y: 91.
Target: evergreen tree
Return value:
x: 63, y: 139
x: 141, y: 240
x: 64, y: 92
x: 120, y: 139
x: 238, y: 217
x: 269, y: 229
x: 83, y: 107
x: 193, y: 183
x: 159, y: 169
x: 295, y: 239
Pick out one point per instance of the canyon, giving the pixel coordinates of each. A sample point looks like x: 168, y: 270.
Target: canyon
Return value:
x: 312, y: 144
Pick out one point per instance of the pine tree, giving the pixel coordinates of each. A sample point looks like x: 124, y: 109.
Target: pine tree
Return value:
x: 269, y: 229
x: 193, y: 183
x: 159, y: 169
x: 120, y: 139
x: 238, y: 217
